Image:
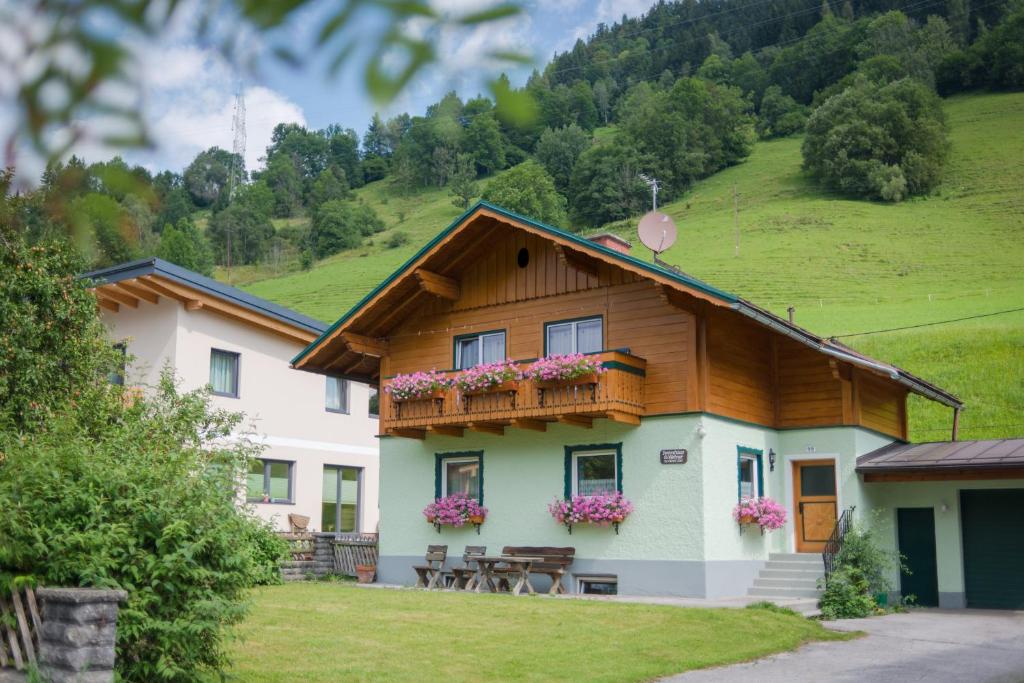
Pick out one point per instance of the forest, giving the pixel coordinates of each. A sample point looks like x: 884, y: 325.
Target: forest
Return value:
x: 678, y: 94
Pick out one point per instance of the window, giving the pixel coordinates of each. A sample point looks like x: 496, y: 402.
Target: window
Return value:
x: 459, y: 473
x: 340, y: 507
x: 598, y: 584
x: 574, y: 336
x: 591, y: 470
x: 476, y: 349
x: 224, y: 373
x: 751, y: 482
x: 374, y: 409
x: 337, y: 395
x: 269, y: 481
x: 116, y: 376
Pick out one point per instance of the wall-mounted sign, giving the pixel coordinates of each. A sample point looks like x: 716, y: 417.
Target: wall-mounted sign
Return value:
x: 673, y: 456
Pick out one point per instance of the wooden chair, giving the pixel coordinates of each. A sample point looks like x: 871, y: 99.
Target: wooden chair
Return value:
x: 463, y: 578
x: 299, y: 523
x: 554, y: 565
x: 428, y: 575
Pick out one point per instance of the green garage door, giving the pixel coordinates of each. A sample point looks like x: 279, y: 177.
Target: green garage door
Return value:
x: 993, y: 548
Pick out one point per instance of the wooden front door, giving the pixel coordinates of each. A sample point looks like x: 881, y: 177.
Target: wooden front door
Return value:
x: 815, y: 507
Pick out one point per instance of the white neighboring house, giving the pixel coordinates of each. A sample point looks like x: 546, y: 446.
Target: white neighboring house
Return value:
x: 321, y: 456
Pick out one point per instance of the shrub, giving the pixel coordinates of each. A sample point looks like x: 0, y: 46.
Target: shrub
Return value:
x: 847, y: 596
x: 527, y: 189
x: 397, y: 240
x: 340, y: 225
x: 878, y: 141
x: 140, y: 497
x: 860, y: 574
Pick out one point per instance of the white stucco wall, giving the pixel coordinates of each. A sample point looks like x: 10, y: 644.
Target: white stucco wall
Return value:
x: 285, y: 408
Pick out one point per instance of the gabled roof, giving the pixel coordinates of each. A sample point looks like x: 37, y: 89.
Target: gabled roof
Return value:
x: 159, y: 277
x: 944, y: 455
x: 672, y: 279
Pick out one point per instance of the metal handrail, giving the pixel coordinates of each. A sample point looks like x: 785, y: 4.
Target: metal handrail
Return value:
x: 834, y: 544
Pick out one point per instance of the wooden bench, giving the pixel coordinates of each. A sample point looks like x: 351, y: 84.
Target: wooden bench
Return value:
x: 428, y: 575
x: 463, y: 577
x: 554, y: 565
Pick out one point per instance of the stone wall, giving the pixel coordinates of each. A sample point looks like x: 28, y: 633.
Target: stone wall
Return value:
x: 321, y: 564
x: 76, y: 642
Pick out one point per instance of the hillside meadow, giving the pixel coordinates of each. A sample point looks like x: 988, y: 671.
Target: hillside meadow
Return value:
x: 847, y: 266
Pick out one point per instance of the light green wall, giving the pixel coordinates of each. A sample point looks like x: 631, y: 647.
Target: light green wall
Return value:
x: 884, y: 498
x: 524, y: 472
x: 683, y: 512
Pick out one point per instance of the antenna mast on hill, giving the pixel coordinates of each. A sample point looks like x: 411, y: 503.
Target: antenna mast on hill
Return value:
x: 237, y: 172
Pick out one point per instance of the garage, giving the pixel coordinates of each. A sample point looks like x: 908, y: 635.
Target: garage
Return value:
x: 993, y: 543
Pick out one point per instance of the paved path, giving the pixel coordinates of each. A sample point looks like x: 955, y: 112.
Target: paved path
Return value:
x: 928, y: 645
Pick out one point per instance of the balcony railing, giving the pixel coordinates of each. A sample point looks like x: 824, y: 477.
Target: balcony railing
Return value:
x: 617, y: 394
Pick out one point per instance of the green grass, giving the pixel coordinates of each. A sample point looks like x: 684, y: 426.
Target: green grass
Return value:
x: 847, y: 266
x: 333, y: 632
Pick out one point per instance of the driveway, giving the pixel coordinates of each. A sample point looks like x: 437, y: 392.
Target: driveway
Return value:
x: 936, y: 646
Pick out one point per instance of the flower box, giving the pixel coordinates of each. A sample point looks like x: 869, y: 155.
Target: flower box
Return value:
x: 747, y: 519
x: 433, y: 395
x: 602, y: 509
x: 455, y: 510
x: 764, y: 512
x: 503, y: 388
x: 589, y: 378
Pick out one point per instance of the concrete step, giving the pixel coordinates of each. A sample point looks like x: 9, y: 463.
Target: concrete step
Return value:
x: 762, y: 582
x: 769, y: 593
x: 791, y: 574
x: 779, y: 565
x: 795, y: 557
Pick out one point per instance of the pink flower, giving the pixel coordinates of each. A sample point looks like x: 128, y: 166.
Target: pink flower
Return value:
x: 487, y: 375
x: 602, y: 509
x: 417, y: 385
x: 563, y: 367
x: 766, y: 512
x: 454, y: 510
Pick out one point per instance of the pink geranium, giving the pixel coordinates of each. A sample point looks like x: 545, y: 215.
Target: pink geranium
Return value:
x: 486, y: 376
x: 417, y: 385
x: 454, y: 510
x: 563, y: 367
x: 765, y: 512
x: 601, y: 509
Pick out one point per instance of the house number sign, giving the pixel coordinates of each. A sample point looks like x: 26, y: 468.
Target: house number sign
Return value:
x: 673, y: 456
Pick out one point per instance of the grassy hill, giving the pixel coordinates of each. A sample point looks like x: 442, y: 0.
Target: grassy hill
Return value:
x: 847, y: 266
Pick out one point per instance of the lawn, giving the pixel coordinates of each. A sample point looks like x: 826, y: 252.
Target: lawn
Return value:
x: 331, y: 632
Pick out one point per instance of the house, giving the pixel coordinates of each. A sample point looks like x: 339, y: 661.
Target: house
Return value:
x: 705, y: 399
x: 321, y: 456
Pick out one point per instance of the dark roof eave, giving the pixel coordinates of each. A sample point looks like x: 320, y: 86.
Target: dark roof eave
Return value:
x: 156, y: 266
x: 934, y: 467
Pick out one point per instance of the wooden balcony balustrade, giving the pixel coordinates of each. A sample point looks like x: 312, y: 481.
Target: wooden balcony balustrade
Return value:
x: 617, y: 394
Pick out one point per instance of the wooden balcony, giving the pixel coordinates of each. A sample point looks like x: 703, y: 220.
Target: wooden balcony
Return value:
x: 618, y: 395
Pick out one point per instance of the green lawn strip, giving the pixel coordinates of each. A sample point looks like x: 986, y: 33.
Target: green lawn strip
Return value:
x: 327, y: 632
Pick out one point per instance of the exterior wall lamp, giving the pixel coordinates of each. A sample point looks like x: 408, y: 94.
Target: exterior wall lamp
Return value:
x: 771, y: 460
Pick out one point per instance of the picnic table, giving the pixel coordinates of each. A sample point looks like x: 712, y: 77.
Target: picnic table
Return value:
x: 518, y: 567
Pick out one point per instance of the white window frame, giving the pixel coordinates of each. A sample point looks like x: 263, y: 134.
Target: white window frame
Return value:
x: 480, y: 346
x: 574, y: 324
x: 589, y: 454
x: 345, y: 395
x: 455, y: 459
x: 753, y: 472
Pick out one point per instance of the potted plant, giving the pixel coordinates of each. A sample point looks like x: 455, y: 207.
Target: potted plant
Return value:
x: 602, y: 509
x: 562, y: 370
x: 365, y: 573
x: 418, y: 386
x: 488, y: 378
x: 764, y: 512
x: 455, y: 510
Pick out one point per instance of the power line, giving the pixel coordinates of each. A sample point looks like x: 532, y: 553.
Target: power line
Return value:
x: 938, y: 322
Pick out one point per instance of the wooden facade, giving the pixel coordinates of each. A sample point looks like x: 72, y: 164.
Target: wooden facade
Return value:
x: 698, y: 354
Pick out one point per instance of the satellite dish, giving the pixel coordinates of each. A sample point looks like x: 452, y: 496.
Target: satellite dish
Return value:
x: 657, y: 231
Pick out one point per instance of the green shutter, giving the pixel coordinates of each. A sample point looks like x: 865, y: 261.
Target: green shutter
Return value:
x: 618, y: 466
x: 438, y: 459
x: 568, y: 472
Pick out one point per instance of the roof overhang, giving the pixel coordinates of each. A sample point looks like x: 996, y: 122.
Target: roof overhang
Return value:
x: 144, y: 282
x: 944, y: 460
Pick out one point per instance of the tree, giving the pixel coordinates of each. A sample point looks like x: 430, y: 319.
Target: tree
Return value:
x: 605, y: 185
x: 102, y: 219
x: 327, y: 187
x: 257, y: 196
x: 307, y: 149
x: 240, y: 234
x: 462, y: 185
x: 375, y: 142
x: 285, y: 182
x: 780, y: 115
x: 878, y: 141
x: 340, y: 225
x: 581, y: 99
x: 184, y: 245
x: 176, y: 205
x: 603, y: 91
x: 343, y: 153
x: 207, y: 178
x: 527, y: 189
x: 482, y: 140
x: 558, y: 152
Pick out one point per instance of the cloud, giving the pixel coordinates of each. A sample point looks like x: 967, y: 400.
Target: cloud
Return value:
x: 605, y: 12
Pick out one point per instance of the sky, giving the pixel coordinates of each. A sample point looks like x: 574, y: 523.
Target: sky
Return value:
x: 189, y: 88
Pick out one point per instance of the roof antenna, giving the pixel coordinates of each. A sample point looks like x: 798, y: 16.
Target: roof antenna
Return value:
x: 657, y: 231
